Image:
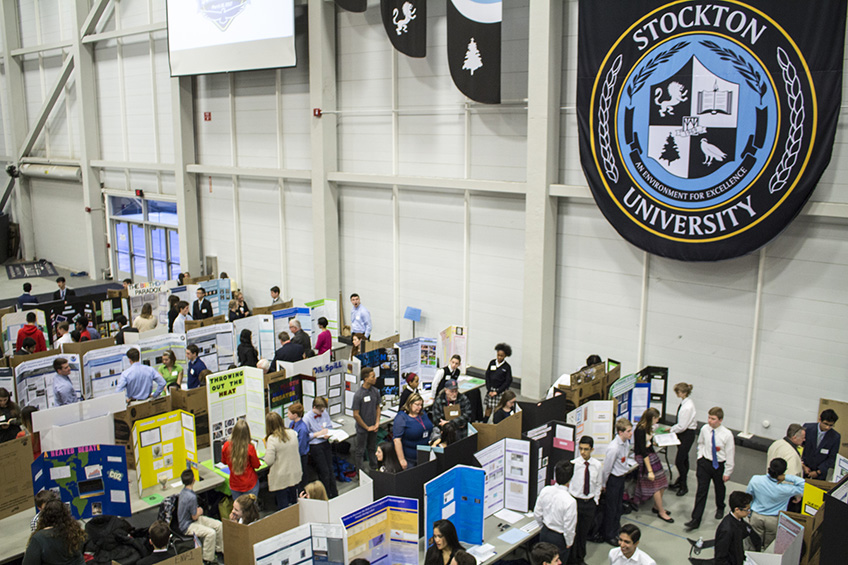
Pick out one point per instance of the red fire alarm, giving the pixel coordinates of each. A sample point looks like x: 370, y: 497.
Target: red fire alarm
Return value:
x: 207, y: 116
x: 139, y: 193
x: 316, y: 112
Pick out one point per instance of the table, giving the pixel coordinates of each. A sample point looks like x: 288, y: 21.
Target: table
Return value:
x: 16, y: 529
x: 491, y: 531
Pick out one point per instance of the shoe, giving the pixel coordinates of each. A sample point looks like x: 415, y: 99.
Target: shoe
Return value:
x: 683, y: 491
x: 612, y: 542
x: 626, y: 510
x: 657, y: 512
x: 669, y: 520
x: 691, y: 525
x: 719, y: 514
x: 674, y: 486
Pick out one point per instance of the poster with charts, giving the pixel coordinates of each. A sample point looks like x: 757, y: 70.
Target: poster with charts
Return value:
x: 418, y: 355
x: 154, y: 293
x: 215, y: 344
x: 282, y: 317
x: 261, y: 333
x: 322, y: 544
x: 101, y: 369
x: 34, y: 380
x: 237, y: 394
x: 326, y: 308
x: 385, y: 531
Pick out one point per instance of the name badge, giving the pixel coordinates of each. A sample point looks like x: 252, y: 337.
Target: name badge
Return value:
x: 366, y: 399
x: 323, y: 424
x: 493, y: 368
x: 425, y: 435
x: 825, y: 451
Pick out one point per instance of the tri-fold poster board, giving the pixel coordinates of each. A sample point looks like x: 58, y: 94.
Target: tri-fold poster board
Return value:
x: 508, y: 475
x: 91, y: 479
x: 457, y: 495
x: 385, y: 531
x: 237, y: 394
x: 328, y: 381
x: 306, y: 544
x: 595, y: 419
x: 34, y: 380
x: 418, y: 355
x: 164, y: 447
x: 549, y: 444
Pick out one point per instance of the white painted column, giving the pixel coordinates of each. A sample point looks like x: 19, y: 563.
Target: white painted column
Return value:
x: 182, y: 109
x: 325, y: 199
x: 543, y: 102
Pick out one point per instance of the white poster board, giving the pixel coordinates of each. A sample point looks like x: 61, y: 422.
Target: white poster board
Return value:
x: 216, y: 345
x: 34, y: 380
x: 101, y: 369
x: 595, y: 418
x: 418, y: 355
x: 261, y: 333
x: 508, y: 475
x: 154, y: 293
x: 453, y: 340
x: 326, y: 308
x: 237, y: 394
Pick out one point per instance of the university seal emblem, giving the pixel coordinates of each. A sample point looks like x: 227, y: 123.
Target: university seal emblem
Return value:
x: 222, y: 12
x: 702, y: 124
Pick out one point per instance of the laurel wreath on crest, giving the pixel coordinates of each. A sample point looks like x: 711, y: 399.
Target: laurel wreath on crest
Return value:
x: 603, y: 120
x: 652, y: 65
x: 743, y: 67
x: 795, y: 98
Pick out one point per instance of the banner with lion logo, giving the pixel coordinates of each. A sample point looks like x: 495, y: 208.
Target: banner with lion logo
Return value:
x: 705, y: 127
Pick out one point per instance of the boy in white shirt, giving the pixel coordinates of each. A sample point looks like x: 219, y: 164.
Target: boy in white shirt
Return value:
x: 628, y: 552
x: 585, y: 487
x: 617, y: 463
x: 556, y: 511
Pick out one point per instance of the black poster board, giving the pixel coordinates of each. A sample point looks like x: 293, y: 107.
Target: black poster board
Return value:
x: 537, y: 414
x: 408, y: 484
x: 546, y: 451
x: 458, y: 453
x: 657, y: 377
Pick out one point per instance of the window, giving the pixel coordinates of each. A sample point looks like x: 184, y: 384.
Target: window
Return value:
x: 146, y: 241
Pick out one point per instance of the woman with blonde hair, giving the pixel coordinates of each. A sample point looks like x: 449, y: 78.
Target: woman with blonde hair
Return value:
x: 652, y: 480
x: 245, y: 509
x: 232, y: 310
x: 412, y: 428
x: 58, y: 538
x: 146, y: 320
x: 283, y: 459
x: 686, y: 429
x: 319, y: 425
x: 240, y: 456
x: 314, y: 491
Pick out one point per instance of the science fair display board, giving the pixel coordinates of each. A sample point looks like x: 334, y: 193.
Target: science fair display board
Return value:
x: 508, y: 475
x: 282, y: 393
x: 101, y: 369
x: 549, y: 444
x: 152, y: 348
x: 13, y: 322
x: 459, y: 492
x: 418, y: 355
x: 82, y: 423
x: 384, y: 530
x: 261, y: 333
x: 453, y: 340
x: 91, y: 480
x: 154, y: 293
x: 215, y: 343
x: 327, y: 380
x: 164, y: 446
x: 595, y: 419
x: 325, y: 308
x: 237, y: 394
x: 384, y: 361
x: 218, y: 293
x: 34, y: 380
x: 282, y: 317
x: 306, y: 544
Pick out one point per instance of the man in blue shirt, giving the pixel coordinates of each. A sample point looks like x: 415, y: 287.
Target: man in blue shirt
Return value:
x: 772, y: 493
x: 360, y: 318
x: 138, y: 379
x: 63, y: 388
x: 195, y: 366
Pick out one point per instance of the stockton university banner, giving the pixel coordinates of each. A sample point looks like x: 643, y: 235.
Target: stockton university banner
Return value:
x: 705, y: 126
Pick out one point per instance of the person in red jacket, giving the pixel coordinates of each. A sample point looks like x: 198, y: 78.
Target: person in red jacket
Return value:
x: 32, y: 330
x: 240, y: 456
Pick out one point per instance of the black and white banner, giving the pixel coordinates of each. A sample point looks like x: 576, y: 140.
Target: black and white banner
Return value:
x: 352, y: 5
x: 406, y: 25
x: 705, y: 127
x: 474, y: 48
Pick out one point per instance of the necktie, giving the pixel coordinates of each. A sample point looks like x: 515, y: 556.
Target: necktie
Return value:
x: 715, y: 453
x: 586, y: 480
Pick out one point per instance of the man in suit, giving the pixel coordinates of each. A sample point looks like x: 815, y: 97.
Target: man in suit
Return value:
x: 63, y: 293
x: 125, y: 326
x: 160, y: 535
x: 202, y: 308
x: 289, y: 351
x: 26, y: 297
x: 733, y: 529
x: 820, y: 446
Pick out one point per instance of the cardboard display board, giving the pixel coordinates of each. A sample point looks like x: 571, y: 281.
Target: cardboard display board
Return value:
x: 332, y: 511
x: 152, y: 348
x: 657, y: 380
x: 16, y: 488
x: 304, y: 367
x: 81, y: 423
x: 457, y: 492
x: 306, y: 544
x: 386, y: 529
x: 282, y: 393
x: 508, y: 475
x: 11, y: 323
x: 34, y: 378
x: 418, y: 355
x: 595, y: 419
x: 834, y: 542
x: 273, y: 308
x: 164, y: 446
x: 621, y: 391
x: 327, y: 380
x: 194, y: 402
x: 814, y: 491
x: 327, y: 308
x: 586, y: 384
x: 487, y: 434
x: 137, y: 411
x: 261, y: 333
x: 385, y: 343
x: 453, y: 340
x: 92, y: 479
x: 386, y: 366
x: 214, y: 320
x: 7, y: 381
x: 238, y: 394
x: 218, y: 293
x: 537, y: 414
x: 216, y: 345
x: 841, y: 426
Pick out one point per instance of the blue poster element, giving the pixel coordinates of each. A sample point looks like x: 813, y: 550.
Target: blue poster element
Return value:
x: 372, y: 538
x: 218, y: 293
x: 457, y: 493
x: 281, y: 319
x: 92, y: 480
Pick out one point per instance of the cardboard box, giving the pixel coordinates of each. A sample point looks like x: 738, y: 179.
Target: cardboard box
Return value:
x: 194, y: 324
x: 193, y: 557
x: 587, y: 384
x: 16, y: 491
x: 841, y: 426
x: 194, y: 401
x: 488, y: 434
x: 239, y: 538
x: 385, y: 343
x: 137, y: 411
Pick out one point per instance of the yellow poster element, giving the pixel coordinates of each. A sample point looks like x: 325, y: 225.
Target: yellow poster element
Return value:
x: 164, y: 446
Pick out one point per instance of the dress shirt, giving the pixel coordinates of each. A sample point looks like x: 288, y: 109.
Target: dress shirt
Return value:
x: 138, y: 381
x: 685, y: 417
x: 616, y: 557
x: 316, y: 423
x: 179, y: 324
x: 557, y: 509
x: 618, y: 460
x: 819, y: 435
x: 564, y: 379
x: 596, y: 471
x: 360, y: 321
x: 302, y: 435
x: 770, y: 497
x: 725, y: 446
x: 63, y: 391
x: 64, y: 339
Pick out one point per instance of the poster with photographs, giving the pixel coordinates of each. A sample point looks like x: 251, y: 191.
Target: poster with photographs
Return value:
x: 237, y: 394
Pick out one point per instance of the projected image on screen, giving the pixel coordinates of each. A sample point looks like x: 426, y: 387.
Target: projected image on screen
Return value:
x: 215, y: 36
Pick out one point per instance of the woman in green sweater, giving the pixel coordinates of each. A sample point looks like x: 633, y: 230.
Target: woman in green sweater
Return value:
x: 58, y: 540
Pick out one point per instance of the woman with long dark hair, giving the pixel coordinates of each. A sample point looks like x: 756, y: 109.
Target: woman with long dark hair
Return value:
x: 387, y: 458
x: 58, y: 538
x: 10, y: 417
x: 444, y: 545
x: 240, y: 456
x: 652, y: 480
x: 247, y: 354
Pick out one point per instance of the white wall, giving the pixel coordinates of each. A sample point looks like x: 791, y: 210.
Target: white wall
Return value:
x: 58, y: 215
